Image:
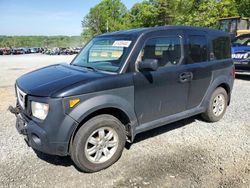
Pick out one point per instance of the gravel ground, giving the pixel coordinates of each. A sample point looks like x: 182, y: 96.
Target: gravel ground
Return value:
x: 188, y: 153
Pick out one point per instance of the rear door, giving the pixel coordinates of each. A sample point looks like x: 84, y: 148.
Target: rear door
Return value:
x: 199, y: 65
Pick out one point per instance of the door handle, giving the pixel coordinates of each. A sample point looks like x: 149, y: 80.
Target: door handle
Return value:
x: 185, y: 77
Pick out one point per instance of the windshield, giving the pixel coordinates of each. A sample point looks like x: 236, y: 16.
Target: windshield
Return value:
x: 104, y: 54
x: 243, y: 40
x: 224, y: 25
x: 242, y: 24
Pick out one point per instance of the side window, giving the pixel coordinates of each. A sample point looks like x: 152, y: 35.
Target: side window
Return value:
x: 198, y: 49
x: 167, y: 50
x: 222, y: 48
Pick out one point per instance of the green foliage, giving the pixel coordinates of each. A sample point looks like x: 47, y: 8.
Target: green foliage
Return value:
x: 243, y: 7
x: 203, y: 12
x: 40, y: 41
x: 142, y: 15
x: 109, y: 15
x: 151, y: 13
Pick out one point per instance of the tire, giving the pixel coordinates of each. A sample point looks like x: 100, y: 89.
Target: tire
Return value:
x: 105, y: 136
x: 217, y: 105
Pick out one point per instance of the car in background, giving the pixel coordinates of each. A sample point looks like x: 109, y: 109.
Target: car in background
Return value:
x: 6, y: 51
x: 61, y: 51
x: 26, y: 50
x: 34, y: 50
x: 17, y: 51
x: 241, y: 53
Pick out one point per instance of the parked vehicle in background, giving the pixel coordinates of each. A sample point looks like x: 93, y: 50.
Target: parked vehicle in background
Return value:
x: 26, y: 50
x: 122, y: 84
x: 241, y: 53
x: 61, y: 51
x: 34, y: 50
x: 235, y: 25
x: 76, y: 50
x: 6, y: 51
x: 17, y: 51
x: 48, y: 51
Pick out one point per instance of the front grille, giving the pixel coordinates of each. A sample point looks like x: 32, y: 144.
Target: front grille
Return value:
x: 21, y: 96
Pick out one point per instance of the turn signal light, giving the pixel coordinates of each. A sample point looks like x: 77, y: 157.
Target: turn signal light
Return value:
x: 73, y: 102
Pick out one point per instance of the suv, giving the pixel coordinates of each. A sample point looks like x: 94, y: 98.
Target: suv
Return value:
x: 121, y: 84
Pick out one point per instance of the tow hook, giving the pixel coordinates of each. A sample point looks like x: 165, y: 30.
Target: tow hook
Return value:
x: 14, y: 110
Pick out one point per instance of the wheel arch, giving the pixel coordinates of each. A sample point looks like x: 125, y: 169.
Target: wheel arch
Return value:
x: 228, y: 90
x: 116, y: 112
x: 112, y: 105
x: 221, y: 81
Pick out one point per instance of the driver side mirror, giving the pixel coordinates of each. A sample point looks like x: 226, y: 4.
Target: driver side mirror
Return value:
x: 148, y: 65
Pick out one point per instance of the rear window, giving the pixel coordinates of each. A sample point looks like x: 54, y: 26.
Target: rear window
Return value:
x: 222, y: 48
x: 198, y: 49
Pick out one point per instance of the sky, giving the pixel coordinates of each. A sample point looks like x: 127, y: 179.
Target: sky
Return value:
x: 45, y: 17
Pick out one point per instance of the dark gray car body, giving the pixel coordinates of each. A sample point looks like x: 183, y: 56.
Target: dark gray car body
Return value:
x: 140, y: 100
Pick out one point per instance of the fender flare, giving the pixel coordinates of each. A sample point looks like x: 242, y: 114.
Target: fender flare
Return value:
x: 215, y: 83
x: 96, y: 103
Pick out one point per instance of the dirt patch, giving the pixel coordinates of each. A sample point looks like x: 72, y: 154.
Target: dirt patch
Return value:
x: 186, y: 166
x: 7, y: 96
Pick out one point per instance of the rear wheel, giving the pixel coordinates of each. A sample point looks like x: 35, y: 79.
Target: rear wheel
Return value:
x: 98, y: 143
x: 217, y: 105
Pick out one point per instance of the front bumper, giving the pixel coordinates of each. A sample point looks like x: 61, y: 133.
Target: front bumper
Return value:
x: 34, y: 136
x: 242, y: 66
x: 41, y: 139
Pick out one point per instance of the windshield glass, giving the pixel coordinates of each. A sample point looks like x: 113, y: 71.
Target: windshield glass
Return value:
x: 224, y: 25
x: 242, y: 24
x: 242, y: 41
x: 104, y: 54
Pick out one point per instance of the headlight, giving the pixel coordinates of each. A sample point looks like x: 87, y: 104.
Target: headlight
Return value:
x: 39, y: 110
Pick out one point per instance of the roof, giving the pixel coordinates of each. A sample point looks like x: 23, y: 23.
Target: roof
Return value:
x: 140, y: 31
x: 235, y: 17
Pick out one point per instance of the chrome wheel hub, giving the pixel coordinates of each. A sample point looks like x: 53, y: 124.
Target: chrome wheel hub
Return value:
x: 218, y: 105
x: 101, y: 145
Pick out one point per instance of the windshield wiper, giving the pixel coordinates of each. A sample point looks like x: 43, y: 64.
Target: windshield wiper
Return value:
x: 92, y: 68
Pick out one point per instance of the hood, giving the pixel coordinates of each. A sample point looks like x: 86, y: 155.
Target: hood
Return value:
x: 46, y: 81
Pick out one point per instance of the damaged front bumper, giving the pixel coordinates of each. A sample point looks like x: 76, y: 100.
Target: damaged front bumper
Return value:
x: 38, y: 137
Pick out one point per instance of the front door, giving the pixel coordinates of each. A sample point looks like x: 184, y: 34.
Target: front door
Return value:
x: 164, y: 92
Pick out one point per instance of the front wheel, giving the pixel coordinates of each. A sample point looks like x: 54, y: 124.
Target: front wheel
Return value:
x: 98, y: 143
x: 217, y: 105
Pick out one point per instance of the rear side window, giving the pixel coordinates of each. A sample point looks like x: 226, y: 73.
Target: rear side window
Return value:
x: 167, y: 50
x: 198, y: 49
x: 222, y: 48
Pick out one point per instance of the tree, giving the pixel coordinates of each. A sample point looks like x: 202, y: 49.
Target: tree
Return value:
x: 243, y: 7
x: 112, y: 15
x: 108, y: 15
x: 152, y: 13
x: 203, y: 12
x: 164, y: 11
x: 143, y: 15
